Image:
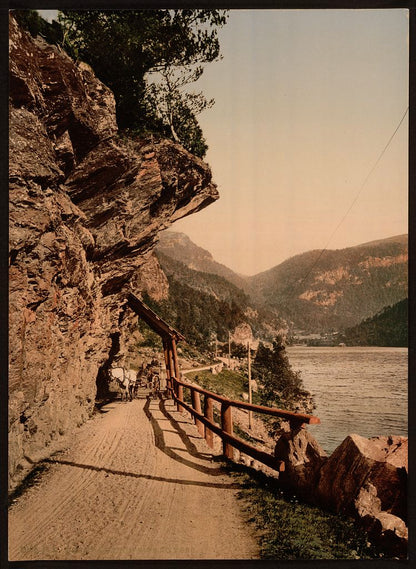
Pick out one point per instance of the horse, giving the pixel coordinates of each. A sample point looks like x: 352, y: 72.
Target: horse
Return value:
x: 119, y: 375
x: 131, y: 382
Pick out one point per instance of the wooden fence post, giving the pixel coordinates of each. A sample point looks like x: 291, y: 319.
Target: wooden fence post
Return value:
x: 180, y: 397
x: 227, y: 426
x: 168, y: 374
x: 196, y: 404
x: 209, y: 414
x: 175, y: 372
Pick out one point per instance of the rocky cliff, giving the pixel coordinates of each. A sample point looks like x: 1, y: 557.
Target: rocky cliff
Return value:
x: 85, y: 210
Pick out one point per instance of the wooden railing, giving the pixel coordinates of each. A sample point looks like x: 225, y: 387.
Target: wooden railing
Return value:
x: 204, y: 421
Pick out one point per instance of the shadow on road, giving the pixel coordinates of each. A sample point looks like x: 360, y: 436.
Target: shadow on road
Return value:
x: 144, y: 476
x: 159, y: 432
x: 190, y: 447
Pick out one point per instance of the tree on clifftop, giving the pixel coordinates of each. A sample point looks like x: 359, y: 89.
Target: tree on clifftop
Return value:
x: 31, y: 21
x: 126, y: 47
x: 177, y: 108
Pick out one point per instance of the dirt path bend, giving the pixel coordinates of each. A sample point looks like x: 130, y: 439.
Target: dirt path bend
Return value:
x: 137, y: 483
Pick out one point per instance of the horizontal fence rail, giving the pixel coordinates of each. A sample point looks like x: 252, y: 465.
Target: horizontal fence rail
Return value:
x: 207, y: 427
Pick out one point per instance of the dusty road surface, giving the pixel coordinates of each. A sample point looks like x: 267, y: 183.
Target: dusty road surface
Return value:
x: 137, y: 483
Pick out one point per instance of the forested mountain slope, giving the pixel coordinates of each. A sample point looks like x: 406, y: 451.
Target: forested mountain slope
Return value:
x: 338, y: 288
x: 312, y: 291
x: 204, y: 305
x: 389, y: 327
x: 179, y: 246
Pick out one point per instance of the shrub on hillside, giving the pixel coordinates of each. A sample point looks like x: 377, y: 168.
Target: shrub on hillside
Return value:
x: 279, y: 385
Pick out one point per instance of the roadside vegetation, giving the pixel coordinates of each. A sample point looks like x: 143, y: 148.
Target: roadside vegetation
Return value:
x: 229, y: 383
x: 278, y: 385
x: 289, y: 529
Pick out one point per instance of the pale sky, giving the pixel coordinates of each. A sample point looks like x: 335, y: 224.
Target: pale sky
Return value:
x: 306, y: 100
x: 305, y: 103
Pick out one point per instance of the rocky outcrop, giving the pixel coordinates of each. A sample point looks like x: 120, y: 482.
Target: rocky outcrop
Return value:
x: 382, y: 527
x: 85, y: 211
x: 364, y: 478
x: 303, y: 458
x: 151, y: 279
x: 368, y: 479
x: 379, y: 461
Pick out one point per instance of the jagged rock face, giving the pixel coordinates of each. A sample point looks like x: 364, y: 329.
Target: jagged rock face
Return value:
x: 243, y: 334
x: 368, y: 478
x: 357, y: 461
x: 85, y: 212
x: 381, y: 526
x: 151, y: 279
x: 303, y: 458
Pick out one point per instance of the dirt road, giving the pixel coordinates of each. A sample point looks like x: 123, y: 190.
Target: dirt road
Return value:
x: 137, y: 483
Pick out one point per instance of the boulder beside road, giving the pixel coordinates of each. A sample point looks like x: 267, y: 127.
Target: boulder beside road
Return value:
x: 365, y: 478
x: 303, y: 458
x: 357, y: 462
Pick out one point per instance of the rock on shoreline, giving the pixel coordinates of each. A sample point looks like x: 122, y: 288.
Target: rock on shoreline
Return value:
x: 365, y: 478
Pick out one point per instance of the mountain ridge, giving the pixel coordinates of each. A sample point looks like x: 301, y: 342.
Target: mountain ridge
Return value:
x: 401, y: 238
x: 336, y: 289
x: 169, y: 238
x: 205, y: 304
x: 311, y: 290
x: 389, y: 327
x: 180, y: 247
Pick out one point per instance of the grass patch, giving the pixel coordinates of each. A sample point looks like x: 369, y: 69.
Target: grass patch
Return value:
x: 242, y: 434
x: 227, y: 383
x: 290, y: 529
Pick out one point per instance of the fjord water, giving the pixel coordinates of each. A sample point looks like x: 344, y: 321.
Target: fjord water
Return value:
x: 360, y: 390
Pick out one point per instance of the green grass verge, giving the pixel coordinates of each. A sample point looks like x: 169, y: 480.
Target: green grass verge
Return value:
x: 290, y: 529
x: 227, y: 383
x: 242, y: 434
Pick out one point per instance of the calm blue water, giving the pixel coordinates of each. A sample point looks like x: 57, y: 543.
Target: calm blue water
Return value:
x: 356, y: 390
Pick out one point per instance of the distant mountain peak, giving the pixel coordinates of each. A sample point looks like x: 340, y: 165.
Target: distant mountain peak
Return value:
x: 181, y: 248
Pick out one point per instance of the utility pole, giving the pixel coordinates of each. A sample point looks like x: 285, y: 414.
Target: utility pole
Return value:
x: 229, y: 350
x: 250, y: 413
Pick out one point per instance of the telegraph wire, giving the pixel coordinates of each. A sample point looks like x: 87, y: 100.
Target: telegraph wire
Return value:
x: 352, y: 203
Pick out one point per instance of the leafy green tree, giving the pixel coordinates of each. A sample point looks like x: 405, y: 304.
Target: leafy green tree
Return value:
x: 125, y: 47
x: 31, y: 21
x: 279, y: 383
x: 177, y: 108
x: 238, y: 350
